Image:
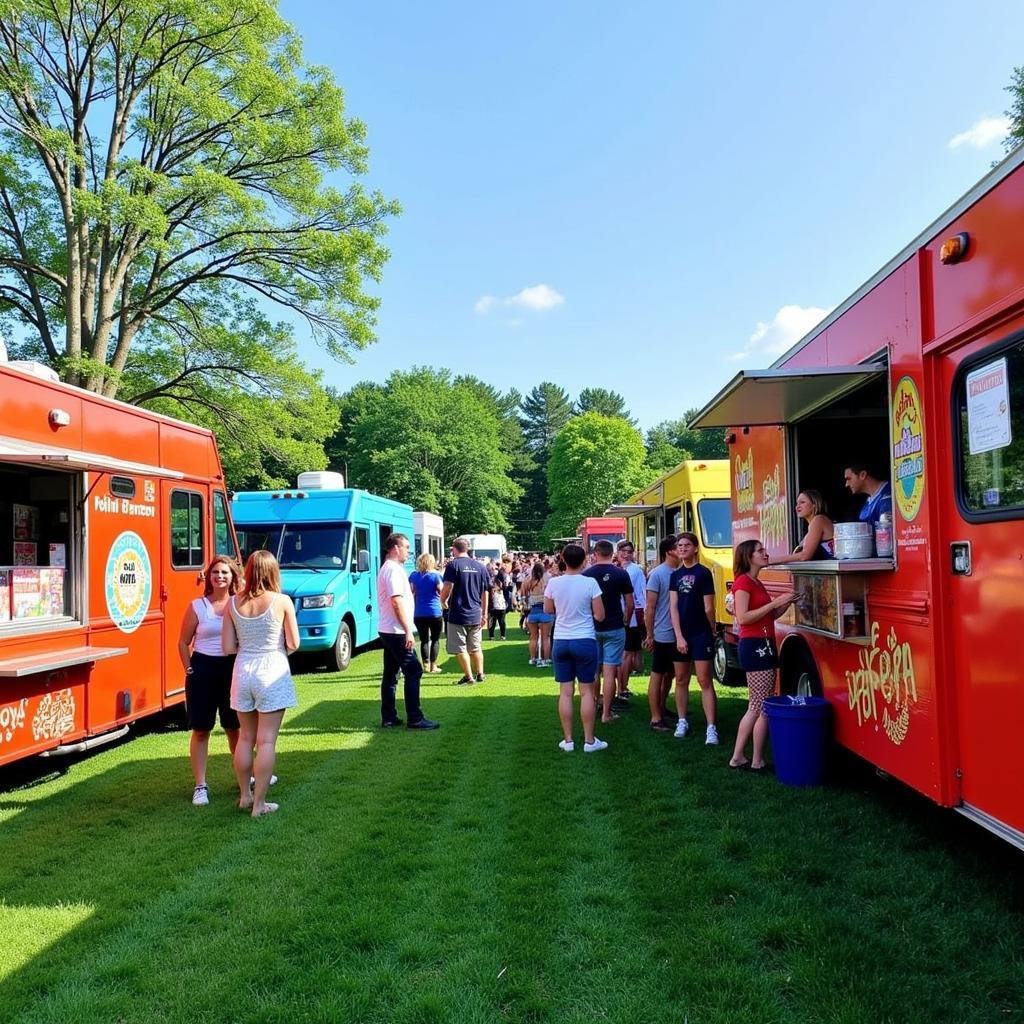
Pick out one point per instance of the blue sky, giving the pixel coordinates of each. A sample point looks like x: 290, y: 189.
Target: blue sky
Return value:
x: 650, y: 197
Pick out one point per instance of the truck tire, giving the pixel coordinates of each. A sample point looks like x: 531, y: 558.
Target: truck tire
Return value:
x: 340, y: 656
x: 800, y: 674
x: 724, y: 673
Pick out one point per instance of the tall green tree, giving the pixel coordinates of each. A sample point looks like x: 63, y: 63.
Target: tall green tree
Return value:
x: 1015, y: 136
x: 542, y: 413
x: 163, y: 165
x: 425, y: 439
x: 595, y: 461
x: 672, y: 441
x: 605, y: 402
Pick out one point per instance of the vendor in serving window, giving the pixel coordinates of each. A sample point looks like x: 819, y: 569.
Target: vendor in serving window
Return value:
x: 861, y: 480
x: 818, y: 540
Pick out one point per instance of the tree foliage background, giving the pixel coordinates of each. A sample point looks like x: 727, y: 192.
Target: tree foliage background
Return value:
x: 595, y: 460
x: 432, y: 441
x: 169, y: 172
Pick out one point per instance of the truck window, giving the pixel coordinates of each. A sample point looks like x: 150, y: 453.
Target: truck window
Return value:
x: 187, y: 548
x: 314, y: 545
x: 362, y: 544
x: 222, y: 542
x: 990, y: 401
x: 38, y: 552
x: 715, y: 517
x: 258, y: 537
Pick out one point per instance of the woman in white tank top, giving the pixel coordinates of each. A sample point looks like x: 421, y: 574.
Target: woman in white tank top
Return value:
x: 261, y: 627
x: 208, y: 669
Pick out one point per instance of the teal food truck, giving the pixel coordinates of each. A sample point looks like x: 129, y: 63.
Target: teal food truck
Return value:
x: 329, y: 540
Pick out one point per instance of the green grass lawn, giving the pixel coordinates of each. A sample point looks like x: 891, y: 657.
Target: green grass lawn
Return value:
x: 479, y: 874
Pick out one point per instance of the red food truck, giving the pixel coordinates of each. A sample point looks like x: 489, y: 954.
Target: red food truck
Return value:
x: 920, y: 373
x: 595, y: 528
x: 108, y: 516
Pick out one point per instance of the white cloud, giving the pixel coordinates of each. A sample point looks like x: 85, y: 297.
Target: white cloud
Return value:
x: 982, y: 133
x: 786, y: 328
x: 538, y: 297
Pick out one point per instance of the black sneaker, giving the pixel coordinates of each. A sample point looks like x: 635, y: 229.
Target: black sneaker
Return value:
x: 424, y: 723
x: 618, y: 704
x: 465, y: 680
x: 480, y: 677
x: 661, y: 726
x: 392, y: 723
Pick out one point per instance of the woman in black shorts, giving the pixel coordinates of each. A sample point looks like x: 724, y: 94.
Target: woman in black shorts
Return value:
x: 208, y: 669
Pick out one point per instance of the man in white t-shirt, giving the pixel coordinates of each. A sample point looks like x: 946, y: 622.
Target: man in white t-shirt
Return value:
x: 575, y: 601
x: 395, y: 604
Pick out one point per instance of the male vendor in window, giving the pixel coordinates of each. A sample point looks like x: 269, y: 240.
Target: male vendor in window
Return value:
x: 860, y: 480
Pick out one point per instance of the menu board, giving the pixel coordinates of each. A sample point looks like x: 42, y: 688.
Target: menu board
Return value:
x: 24, y: 552
x: 5, y: 595
x: 51, y: 591
x: 35, y: 593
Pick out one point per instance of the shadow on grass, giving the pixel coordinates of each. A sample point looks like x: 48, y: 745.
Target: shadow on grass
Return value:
x: 410, y: 869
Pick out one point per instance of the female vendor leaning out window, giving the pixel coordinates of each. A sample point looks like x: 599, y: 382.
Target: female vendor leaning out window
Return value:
x: 817, y: 542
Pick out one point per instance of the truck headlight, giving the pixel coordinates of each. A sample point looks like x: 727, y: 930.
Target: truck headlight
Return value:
x: 317, y: 601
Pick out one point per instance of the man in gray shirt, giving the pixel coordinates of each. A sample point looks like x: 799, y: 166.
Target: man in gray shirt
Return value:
x: 661, y: 637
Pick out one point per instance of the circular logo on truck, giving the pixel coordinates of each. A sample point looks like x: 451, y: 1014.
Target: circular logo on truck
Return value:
x: 907, y: 448
x: 129, y: 581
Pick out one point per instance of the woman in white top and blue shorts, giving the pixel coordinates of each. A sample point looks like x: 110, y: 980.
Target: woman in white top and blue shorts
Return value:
x: 261, y: 627
x: 208, y: 669
x: 575, y: 601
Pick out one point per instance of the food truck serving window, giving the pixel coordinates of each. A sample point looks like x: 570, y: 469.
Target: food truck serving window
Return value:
x: 990, y: 411
x: 187, y: 549
x: 36, y: 536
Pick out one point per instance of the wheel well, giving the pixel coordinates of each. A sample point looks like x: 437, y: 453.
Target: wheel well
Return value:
x: 796, y: 659
x: 351, y: 623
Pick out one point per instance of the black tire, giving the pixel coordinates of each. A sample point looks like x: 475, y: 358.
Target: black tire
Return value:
x: 340, y: 656
x: 800, y: 674
x: 726, y: 674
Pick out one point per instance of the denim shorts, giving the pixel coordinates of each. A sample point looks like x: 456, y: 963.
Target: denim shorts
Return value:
x: 575, y: 660
x: 538, y: 615
x: 610, y: 645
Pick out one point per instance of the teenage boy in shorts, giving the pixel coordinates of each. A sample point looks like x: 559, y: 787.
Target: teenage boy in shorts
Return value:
x: 660, y: 639
x: 633, y: 660
x: 692, y: 607
x: 617, y: 596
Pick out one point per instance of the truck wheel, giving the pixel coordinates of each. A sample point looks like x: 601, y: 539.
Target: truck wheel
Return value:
x: 724, y: 673
x: 341, y: 654
x: 800, y: 675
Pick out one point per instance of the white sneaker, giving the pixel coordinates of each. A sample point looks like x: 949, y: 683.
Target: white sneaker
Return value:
x: 200, y: 797
x: 590, y: 748
x: 682, y: 728
x: 252, y: 781
x: 711, y: 740
x: 533, y: 662
x: 567, y: 745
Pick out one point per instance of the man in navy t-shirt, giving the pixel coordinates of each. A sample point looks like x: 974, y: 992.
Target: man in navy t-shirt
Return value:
x: 692, y: 607
x: 616, y: 591
x: 465, y: 594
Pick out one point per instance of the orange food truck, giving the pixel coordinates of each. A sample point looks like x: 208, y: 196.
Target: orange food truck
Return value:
x: 108, y: 516
x: 920, y: 373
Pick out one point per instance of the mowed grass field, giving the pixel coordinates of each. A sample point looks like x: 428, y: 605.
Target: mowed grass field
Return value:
x: 479, y: 874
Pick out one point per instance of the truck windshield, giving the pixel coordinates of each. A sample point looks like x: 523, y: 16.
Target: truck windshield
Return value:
x: 715, y: 522
x: 612, y: 538
x: 314, y: 545
x: 297, y: 545
x: 492, y: 553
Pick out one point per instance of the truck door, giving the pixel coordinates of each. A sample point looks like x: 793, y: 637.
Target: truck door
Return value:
x: 361, y: 585
x: 185, y: 553
x: 982, y: 555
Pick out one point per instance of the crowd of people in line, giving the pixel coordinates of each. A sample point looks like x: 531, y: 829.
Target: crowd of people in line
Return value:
x: 590, y: 623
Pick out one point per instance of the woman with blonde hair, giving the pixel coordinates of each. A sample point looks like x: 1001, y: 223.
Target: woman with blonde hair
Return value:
x: 818, y: 540
x: 262, y: 629
x: 427, y: 615
x: 208, y: 669
x: 538, y: 620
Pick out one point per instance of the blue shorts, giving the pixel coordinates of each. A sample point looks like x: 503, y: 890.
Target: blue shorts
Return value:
x: 610, y: 645
x: 575, y: 660
x: 699, y: 646
x: 758, y: 654
x: 538, y: 615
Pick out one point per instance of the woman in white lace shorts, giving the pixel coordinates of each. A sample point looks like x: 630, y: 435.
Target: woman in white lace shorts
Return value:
x: 261, y: 627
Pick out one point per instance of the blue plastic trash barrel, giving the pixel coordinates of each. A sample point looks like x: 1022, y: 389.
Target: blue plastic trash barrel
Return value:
x: 799, y: 731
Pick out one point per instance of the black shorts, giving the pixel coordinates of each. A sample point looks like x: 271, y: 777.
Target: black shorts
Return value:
x: 701, y: 647
x: 758, y: 654
x: 635, y: 637
x: 665, y: 657
x: 208, y: 691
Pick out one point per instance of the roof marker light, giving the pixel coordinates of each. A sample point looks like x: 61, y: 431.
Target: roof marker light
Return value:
x: 955, y: 249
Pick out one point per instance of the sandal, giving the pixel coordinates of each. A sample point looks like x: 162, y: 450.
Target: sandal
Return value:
x: 743, y: 766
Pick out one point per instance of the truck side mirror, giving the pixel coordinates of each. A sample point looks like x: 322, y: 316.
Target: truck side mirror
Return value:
x: 363, y: 560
